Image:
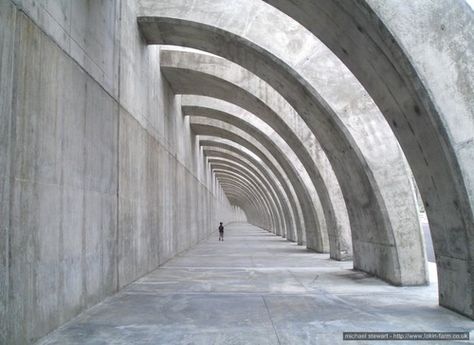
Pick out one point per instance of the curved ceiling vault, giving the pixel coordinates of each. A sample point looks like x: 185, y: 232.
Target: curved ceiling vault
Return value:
x: 286, y: 158
x: 272, y: 169
x: 220, y: 159
x: 374, y: 215
x: 418, y: 108
x: 227, y: 131
x: 384, y: 243
x: 274, y: 217
x: 196, y: 85
x: 258, y: 213
x: 261, y: 186
x: 196, y: 73
x: 215, y: 147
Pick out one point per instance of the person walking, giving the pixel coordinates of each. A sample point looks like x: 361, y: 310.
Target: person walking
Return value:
x: 221, y: 232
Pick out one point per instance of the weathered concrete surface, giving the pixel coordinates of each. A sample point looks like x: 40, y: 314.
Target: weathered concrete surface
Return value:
x: 87, y: 31
x: 97, y: 185
x: 202, y: 74
x: 290, y: 229
x: 63, y: 216
x: 268, y: 165
x: 204, y: 126
x: 385, y: 244
x: 215, y: 148
x: 235, y: 165
x: 258, y: 186
x: 96, y: 139
x: 316, y: 238
x: 153, y: 226
x: 255, y: 288
x: 422, y: 80
x: 7, y: 36
x: 233, y: 183
x: 238, y: 162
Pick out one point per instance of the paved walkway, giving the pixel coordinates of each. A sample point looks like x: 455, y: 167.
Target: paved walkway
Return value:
x: 256, y: 288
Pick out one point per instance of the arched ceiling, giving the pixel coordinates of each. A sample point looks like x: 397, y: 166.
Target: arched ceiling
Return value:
x: 355, y: 131
x: 368, y: 210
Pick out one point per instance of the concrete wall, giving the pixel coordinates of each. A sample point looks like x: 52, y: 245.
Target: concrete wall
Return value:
x: 101, y: 180
x: 8, y: 20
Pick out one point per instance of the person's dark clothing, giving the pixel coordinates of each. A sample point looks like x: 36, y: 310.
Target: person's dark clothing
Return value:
x: 221, y: 232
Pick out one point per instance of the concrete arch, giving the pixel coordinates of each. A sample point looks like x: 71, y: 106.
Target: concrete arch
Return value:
x: 276, y: 219
x: 233, y: 157
x: 237, y: 202
x: 249, y: 169
x: 263, y: 198
x: 230, y: 160
x: 219, y: 149
x: 383, y: 245
x: 240, y: 202
x: 202, y: 74
x: 232, y: 166
x: 253, y: 209
x: 333, y: 220
x: 196, y: 73
x: 243, y: 202
x: 262, y: 212
x: 253, y: 187
x: 402, y: 80
x: 222, y: 148
x: 247, y: 142
x: 279, y: 149
x: 259, y: 142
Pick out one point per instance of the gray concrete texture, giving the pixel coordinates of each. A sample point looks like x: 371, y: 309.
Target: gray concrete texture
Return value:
x: 214, y: 109
x: 100, y: 183
x: 107, y: 172
x: 422, y: 81
x: 438, y: 175
x: 220, y: 78
x: 255, y: 288
x: 268, y: 164
x: 220, y: 129
x: 374, y: 208
x: 216, y: 148
x: 261, y: 183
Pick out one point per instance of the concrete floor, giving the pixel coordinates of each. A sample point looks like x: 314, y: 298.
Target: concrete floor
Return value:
x: 256, y: 288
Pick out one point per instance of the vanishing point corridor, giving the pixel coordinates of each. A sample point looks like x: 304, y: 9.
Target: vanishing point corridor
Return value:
x: 334, y: 139
x: 255, y: 288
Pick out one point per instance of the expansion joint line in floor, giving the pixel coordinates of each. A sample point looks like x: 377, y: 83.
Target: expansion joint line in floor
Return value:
x: 271, y: 320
